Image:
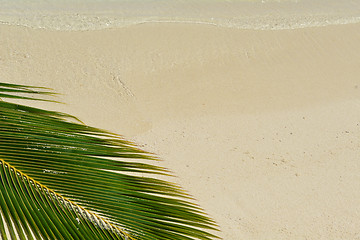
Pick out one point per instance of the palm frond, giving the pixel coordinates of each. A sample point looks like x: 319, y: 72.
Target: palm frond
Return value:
x: 61, y: 179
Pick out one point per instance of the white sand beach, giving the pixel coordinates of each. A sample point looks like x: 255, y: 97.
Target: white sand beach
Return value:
x: 262, y: 127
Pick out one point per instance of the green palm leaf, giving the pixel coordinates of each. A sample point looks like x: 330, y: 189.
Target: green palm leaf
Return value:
x: 61, y: 179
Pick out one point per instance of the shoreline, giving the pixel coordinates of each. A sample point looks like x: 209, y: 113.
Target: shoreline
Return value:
x: 78, y: 22
x: 258, y: 15
x: 275, y: 25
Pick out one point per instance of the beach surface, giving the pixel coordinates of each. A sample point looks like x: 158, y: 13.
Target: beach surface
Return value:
x: 262, y: 127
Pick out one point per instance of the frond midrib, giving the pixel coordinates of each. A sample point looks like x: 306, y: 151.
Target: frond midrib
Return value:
x: 74, y: 204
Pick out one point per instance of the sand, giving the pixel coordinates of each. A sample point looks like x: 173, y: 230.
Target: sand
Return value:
x: 261, y: 127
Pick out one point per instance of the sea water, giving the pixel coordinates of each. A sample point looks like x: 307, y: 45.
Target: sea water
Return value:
x: 246, y: 14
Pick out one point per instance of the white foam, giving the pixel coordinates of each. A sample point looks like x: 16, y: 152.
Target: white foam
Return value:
x: 258, y: 14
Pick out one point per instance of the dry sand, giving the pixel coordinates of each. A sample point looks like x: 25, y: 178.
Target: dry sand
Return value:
x: 262, y: 127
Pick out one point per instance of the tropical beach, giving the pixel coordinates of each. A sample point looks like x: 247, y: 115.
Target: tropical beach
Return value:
x: 255, y: 112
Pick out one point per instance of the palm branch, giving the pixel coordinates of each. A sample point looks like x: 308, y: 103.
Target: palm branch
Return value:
x: 61, y: 179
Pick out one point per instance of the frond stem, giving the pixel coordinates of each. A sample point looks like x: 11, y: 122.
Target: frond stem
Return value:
x: 52, y: 192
